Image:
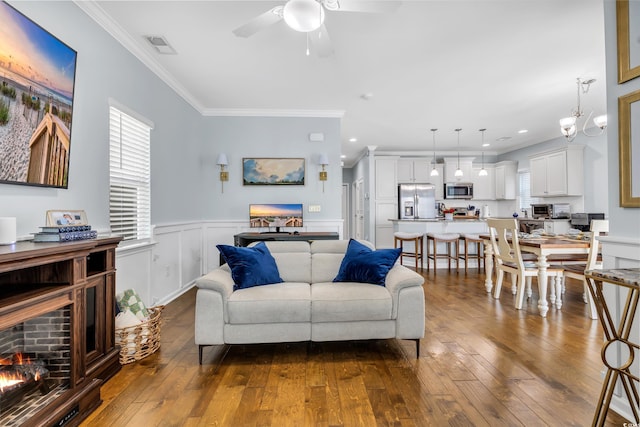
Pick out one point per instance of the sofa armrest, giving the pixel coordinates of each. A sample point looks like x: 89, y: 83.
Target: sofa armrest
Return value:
x: 399, y: 278
x: 218, y: 280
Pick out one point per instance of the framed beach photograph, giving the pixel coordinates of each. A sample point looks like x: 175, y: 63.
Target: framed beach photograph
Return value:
x: 37, y: 78
x: 628, y: 29
x: 62, y: 218
x: 629, y: 149
x: 273, y: 171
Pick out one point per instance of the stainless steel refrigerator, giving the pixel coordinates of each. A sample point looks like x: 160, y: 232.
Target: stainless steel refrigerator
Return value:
x: 416, y: 201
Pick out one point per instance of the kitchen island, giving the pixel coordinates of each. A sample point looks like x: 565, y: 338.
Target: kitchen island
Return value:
x: 460, y: 225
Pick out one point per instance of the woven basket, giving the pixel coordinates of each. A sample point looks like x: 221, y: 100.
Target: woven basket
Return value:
x: 140, y: 341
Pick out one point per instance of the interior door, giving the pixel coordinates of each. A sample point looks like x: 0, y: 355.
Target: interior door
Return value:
x: 359, y: 211
x: 345, y: 211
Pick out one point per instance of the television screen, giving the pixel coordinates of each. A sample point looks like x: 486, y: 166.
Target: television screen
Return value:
x: 37, y: 76
x: 275, y: 215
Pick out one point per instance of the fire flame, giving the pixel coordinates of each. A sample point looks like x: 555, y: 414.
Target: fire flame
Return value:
x: 10, y: 379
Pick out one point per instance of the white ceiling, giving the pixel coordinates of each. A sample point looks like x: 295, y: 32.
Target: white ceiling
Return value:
x: 503, y: 65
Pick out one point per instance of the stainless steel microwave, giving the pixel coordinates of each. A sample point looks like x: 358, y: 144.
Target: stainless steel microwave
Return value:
x: 458, y: 190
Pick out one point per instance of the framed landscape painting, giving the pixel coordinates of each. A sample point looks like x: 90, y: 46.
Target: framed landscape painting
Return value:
x: 37, y: 77
x: 273, y: 171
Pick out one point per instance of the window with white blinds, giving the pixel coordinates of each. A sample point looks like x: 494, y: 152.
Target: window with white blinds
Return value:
x: 130, y: 176
x: 524, y: 189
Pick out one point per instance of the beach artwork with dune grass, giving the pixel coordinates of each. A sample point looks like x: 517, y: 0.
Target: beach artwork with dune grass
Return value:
x: 37, y: 73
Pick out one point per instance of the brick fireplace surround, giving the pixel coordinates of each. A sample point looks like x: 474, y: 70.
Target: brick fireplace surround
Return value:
x: 57, y: 305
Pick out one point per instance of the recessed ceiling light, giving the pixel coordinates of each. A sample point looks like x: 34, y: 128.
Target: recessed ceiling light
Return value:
x: 353, y: 139
x: 343, y: 156
x: 486, y: 144
x: 523, y: 131
x: 503, y: 138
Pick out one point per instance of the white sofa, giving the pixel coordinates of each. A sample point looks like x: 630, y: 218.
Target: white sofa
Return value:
x: 308, y: 305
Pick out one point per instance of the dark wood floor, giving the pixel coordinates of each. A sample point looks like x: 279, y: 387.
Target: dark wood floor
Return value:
x: 482, y: 363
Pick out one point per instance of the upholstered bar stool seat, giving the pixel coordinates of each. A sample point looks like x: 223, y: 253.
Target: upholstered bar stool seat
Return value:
x: 451, y: 240
x: 400, y: 238
x: 473, y: 239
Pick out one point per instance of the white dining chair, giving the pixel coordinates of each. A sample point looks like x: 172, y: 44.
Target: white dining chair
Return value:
x: 576, y: 271
x: 508, y: 259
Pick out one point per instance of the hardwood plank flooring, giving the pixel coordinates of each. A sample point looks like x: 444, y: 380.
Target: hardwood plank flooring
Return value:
x: 483, y: 363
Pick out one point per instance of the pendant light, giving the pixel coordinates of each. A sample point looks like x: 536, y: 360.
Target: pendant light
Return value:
x: 434, y: 171
x: 483, y: 171
x: 458, y: 171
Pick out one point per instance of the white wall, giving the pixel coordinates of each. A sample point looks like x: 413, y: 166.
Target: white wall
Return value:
x: 240, y: 137
x: 624, y: 221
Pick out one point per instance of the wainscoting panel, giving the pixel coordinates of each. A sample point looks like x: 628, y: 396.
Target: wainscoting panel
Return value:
x: 182, y: 252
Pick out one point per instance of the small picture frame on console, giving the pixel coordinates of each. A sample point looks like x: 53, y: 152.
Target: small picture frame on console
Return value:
x: 66, y: 217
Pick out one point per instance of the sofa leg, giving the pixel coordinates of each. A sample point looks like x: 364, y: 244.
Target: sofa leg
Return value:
x: 200, y: 348
x: 417, y: 348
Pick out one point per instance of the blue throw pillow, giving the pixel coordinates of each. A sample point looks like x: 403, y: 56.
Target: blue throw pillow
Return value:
x: 361, y: 264
x: 250, y: 267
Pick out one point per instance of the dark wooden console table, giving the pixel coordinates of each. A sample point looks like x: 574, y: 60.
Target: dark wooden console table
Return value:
x: 244, y: 239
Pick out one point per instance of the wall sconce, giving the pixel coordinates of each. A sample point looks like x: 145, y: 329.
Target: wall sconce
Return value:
x: 224, y: 175
x: 323, y: 161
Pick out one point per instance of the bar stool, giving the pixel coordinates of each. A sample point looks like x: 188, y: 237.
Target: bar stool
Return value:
x: 466, y: 239
x: 449, y: 239
x: 399, y: 239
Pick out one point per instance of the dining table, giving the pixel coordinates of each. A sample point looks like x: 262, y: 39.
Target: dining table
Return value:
x: 543, y: 247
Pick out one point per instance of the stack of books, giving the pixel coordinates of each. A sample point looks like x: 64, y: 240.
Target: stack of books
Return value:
x: 65, y: 233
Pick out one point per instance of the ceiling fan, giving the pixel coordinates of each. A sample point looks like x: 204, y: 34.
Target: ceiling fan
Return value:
x: 307, y: 16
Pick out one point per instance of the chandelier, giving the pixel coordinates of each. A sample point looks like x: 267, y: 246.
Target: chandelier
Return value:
x: 568, y: 125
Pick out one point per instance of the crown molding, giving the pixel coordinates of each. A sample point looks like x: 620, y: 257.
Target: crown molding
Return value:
x: 247, y: 112
x: 103, y: 19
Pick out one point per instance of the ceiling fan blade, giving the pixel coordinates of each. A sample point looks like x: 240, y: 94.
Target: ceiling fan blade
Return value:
x: 321, y: 42
x: 260, y: 22
x: 369, y: 6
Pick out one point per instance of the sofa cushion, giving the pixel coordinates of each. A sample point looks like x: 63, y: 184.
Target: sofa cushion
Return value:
x: 250, y: 266
x: 362, y: 264
x: 293, y: 260
x: 277, y: 303
x: 348, y: 301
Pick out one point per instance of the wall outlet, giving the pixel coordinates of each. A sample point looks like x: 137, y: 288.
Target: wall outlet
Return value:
x: 314, y: 208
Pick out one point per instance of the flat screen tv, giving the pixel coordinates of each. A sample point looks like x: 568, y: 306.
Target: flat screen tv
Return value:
x: 37, y: 77
x: 275, y: 215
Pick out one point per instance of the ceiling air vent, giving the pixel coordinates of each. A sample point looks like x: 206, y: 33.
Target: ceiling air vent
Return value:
x: 160, y: 44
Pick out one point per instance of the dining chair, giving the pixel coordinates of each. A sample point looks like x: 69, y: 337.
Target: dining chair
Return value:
x: 576, y: 271
x: 508, y: 259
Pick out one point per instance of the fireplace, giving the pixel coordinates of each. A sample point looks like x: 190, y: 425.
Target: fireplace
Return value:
x: 57, y: 343
x: 35, y: 364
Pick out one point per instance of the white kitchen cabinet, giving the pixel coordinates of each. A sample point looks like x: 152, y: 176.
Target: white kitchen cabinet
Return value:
x: 385, y: 174
x: 484, y: 187
x: 557, y: 173
x: 450, y: 166
x: 506, y: 180
x: 413, y: 170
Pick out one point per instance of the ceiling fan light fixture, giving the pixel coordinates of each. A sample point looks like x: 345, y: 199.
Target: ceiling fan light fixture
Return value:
x: 303, y: 15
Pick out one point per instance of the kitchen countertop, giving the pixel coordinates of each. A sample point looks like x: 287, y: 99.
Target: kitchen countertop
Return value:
x: 455, y: 218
